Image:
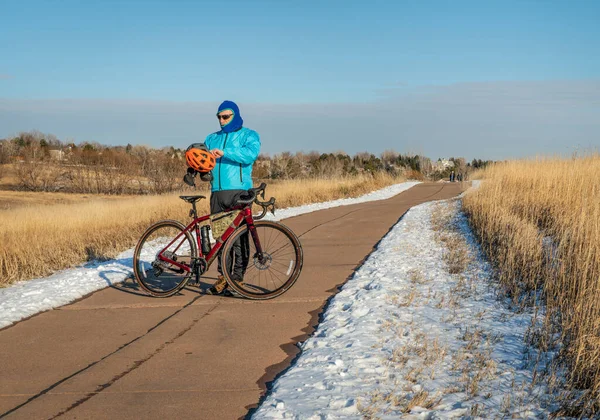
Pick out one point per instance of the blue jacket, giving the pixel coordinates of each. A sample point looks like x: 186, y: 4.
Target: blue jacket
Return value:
x: 233, y: 171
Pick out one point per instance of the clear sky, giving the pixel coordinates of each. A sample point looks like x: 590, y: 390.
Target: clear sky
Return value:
x: 486, y: 79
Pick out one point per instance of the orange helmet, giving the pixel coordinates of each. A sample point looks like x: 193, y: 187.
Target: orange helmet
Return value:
x: 199, y: 158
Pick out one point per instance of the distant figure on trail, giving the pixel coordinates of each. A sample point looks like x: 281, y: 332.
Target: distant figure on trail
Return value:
x: 452, y: 176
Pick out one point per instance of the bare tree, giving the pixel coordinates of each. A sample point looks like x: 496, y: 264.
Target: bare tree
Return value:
x: 164, y: 173
x: 389, y: 157
x: 35, y: 175
x: 5, y: 151
x: 328, y: 166
x: 426, y: 166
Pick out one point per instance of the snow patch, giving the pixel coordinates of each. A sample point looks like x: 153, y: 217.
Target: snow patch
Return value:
x: 404, y: 338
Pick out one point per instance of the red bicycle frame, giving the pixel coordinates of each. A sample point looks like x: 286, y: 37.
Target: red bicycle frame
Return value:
x: 244, y: 214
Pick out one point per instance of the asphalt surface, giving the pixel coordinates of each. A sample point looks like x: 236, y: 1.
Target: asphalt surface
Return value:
x: 118, y: 353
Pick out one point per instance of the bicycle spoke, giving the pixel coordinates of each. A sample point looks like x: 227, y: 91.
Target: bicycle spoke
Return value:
x: 161, y: 258
x: 279, y: 264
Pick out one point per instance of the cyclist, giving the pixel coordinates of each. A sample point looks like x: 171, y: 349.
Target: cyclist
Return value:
x: 235, y: 148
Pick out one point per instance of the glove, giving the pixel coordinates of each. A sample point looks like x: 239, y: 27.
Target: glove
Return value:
x: 189, y: 177
x: 206, y: 176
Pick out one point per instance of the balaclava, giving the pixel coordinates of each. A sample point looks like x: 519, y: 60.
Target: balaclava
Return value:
x: 236, y: 122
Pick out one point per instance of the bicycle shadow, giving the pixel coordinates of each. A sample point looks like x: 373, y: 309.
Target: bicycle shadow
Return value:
x: 118, y: 275
x: 131, y: 286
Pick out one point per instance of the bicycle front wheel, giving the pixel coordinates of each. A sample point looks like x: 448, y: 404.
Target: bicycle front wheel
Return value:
x: 168, y: 239
x: 263, y: 275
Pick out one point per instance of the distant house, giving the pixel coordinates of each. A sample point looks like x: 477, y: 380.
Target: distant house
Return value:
x: 442, y: 164
x: 56, y: 153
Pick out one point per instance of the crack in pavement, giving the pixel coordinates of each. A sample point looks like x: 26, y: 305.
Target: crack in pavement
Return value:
x: 137, y: 363
x: 353, y: 211
x: 328, y: 221
x: 146, y: 391
x: 54, y: 385
x: 209, y: 303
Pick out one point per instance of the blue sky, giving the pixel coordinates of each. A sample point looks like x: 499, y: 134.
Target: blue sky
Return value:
x: 462, y: 78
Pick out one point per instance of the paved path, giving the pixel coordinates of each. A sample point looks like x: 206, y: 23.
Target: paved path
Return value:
x: 120, y: 354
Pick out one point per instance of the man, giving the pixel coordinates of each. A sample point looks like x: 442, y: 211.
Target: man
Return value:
x: 236, y: 148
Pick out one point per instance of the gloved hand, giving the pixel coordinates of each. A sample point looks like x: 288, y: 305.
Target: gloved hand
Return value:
x: 189, y: 177
x: 206, y: 176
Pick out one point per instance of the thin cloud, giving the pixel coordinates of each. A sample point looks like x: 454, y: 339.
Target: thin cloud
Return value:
x: 492, y: 120
x: 514, y: 93
x: 5, y: 76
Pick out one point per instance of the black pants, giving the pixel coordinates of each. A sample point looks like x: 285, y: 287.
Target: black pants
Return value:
x: 240, y: 252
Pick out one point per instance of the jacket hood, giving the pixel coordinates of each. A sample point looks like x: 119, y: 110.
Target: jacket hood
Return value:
x: 236, y: 122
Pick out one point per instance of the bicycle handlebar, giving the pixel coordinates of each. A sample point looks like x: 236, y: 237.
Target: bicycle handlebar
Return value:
x: 246, y: 198
x: 252, y: 196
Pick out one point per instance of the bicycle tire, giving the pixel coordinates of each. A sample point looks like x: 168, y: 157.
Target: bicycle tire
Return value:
x: 281, y: 269
x: 151, y: 274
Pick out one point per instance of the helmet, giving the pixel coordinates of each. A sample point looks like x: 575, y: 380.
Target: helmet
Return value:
x: 199, y: 158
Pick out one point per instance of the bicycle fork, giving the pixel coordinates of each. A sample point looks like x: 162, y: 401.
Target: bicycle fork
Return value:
x: 259, y: 252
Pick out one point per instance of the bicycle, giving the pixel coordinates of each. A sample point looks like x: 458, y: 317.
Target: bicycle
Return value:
x: 169, y: 253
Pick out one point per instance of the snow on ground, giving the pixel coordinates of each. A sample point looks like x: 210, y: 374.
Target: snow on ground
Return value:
x: 404, y: 337
x: 27, y: 298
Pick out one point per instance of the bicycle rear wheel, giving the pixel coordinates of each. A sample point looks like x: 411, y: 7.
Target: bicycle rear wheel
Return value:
x: 157, y: 277
x: 274, y: 273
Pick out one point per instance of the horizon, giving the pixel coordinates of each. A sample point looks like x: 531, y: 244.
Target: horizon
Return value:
x: 267, y: 155
x: 490, y: 81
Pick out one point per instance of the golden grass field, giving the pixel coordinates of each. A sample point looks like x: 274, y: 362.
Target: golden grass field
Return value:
x: 11, y: 198
x: 41, y: 237
x: 539, y: 222
x: 15, y: 199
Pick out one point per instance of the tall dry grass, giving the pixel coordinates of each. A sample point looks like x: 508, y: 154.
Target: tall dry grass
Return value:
x: 539, y: 222
x: 37, y: 240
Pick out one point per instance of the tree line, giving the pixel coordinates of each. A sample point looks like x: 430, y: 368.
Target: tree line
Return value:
x: 42, y: 162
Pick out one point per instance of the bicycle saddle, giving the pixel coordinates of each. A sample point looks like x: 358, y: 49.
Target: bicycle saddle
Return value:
x: 191, y: 198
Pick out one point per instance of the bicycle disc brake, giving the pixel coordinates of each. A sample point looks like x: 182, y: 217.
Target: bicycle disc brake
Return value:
x: 263, y: 261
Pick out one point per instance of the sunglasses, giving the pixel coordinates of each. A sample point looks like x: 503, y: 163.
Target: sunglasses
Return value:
x: 224, y: 117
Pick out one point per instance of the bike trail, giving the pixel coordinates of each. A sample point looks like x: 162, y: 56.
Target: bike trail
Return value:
x: 117, y: 353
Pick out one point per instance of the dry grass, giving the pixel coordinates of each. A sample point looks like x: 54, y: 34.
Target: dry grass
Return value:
x: 417, y: 360
x: 379, y: 402
x: 539, y: 223
x: 36, y: 240
x: 305, y: 191
x: 456, y: 255
x: 10, y: 200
